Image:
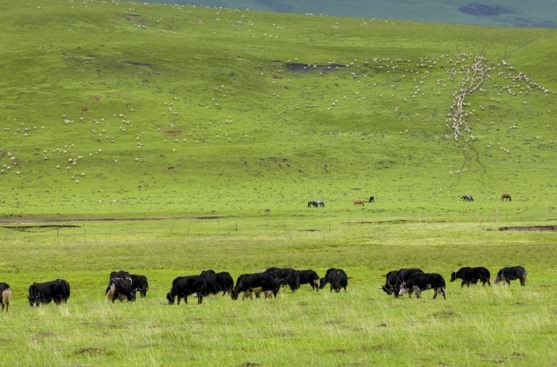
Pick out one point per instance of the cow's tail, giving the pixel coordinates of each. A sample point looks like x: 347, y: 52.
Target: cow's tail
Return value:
x: 110, y: 292
x: 6, y: 296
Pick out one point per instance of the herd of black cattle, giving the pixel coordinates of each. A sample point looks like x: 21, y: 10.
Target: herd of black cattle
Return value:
x: 123, y: 285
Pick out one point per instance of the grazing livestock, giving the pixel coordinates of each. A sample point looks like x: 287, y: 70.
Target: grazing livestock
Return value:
x: 419, y: 282
x: 337, y: 279
x: 120, y: 288
x: 57, y: 290
x: 511, y: 273
x: 139, y: 282
x: 309, y: 277
x: 316, y: 204
x: 395, y: 278
x: 471, y: 275
x: 286, y: 276
x: 506, y: 197
x: 358, y: 202
x: 371, y: 199
x: 255, y: 283
x: 182, y: 287
x: 5, y: 295
x: 467, y: 198
x: 217, y: 282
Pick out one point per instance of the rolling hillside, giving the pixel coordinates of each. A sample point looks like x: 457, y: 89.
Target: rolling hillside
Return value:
x: 139, y: 110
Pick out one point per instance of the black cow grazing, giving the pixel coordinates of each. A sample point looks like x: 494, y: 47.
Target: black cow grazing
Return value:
x: 57, y: 290
x: 419, y: 282
x: 5, y: 295
x: 371, y: 199
x: 511, y: 273
x: 139, y: 282
x: 471, y: 275
x: 401, y: 276
x: 217, y: 282
x: 337, y: 279
x: 390, y: 282
x: 467, y: 198
x: 182, y: 287
x: 309, y: 277
x: 255, y: 283
x: 120, y: 288
x: 316, y: 204
x: 286, y: 276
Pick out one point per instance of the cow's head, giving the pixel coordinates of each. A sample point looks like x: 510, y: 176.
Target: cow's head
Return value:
x: 387, y: 290
x: 170, y: 298
x: 453, y: 276
x: 322, y: 283
x: 34, y: 296
x: 234, y: 294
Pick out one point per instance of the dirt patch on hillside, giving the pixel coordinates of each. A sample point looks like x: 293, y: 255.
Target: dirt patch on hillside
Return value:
x: 173, y: 132
x: 530, y: 228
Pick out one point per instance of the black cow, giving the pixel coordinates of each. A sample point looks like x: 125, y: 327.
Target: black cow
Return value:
x: 371, y: 199
x: 182, y: 287
x: 471, y: 275
x: 511, y: 273
x: 337, y: 279
x: 287, y: 276
x: 467, y: 198
x: 217, y: 282
x: 120, y: 288
x: 309, y: 277
x: 139, y: 282
x: 390, y: 282
x: 57, y: 290
x: 5, y: 295
x: 419, y: 282
x: 395, y: 278
x: 257, y: 282
x: 316, y: 203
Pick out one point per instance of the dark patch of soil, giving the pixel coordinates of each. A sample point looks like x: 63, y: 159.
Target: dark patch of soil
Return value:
x: 481, y: 10
x: 27, y: 228
x: 530, y: 228
x: 299, y: 67
x: 139, y: 64
x: 173, y: 132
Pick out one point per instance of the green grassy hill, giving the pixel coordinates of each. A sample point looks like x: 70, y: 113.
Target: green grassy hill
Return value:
x: 134, y: 110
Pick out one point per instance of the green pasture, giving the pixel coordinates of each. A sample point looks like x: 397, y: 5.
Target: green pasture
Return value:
x: 476, y: 326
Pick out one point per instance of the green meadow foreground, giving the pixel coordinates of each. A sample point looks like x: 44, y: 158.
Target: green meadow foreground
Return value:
x: 476, y: 326
x: 165, y: 140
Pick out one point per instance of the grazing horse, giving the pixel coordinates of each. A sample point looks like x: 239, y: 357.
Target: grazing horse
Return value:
x: 506, y: 197
x: 467, y: 198
x: 358, y: 202
x: 371, y: 199
x: 5, y: 295
x: 316, y: 204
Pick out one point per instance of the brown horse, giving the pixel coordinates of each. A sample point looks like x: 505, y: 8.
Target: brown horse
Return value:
x: 358, y: 202
x: 505, y: 197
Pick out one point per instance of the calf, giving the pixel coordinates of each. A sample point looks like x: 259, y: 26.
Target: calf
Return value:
x: 309, y: 277
x: 5, y: 295
x: 337, y: 279
x: 471, y: 275
x: 57, y: 290
x: 257, y: 282
x: 419, y: 282
x: 511, y: 273
x: 120, y: 288
x: 182, y: 287
x: 286, y: 276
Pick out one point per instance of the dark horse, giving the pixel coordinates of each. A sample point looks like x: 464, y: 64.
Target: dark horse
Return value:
x: 316, y: 203
x: 467, y: 198
x: 505, y: 197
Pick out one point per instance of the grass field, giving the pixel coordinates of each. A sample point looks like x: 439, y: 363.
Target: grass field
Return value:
x: 165, y: 140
